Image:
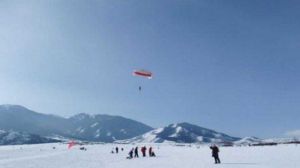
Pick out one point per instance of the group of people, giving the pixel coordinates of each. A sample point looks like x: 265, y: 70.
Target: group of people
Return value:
x: 116, y: 150
x: 134, y: 152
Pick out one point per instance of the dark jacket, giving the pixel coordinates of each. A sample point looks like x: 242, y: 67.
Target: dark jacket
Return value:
x: 215, y: 150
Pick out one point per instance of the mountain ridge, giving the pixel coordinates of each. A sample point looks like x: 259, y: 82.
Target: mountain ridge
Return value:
x: 108, y: 129
x: 181, y: 133
x: 103, y: 128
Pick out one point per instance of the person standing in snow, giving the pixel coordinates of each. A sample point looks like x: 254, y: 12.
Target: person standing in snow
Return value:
x: 150, y: 151
x: 215, y: 153
x: 117, y: 149
x: 143, y: 149
x: 136, y: 152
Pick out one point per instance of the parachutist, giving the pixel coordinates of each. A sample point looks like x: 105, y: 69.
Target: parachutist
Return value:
x: 142, y: 73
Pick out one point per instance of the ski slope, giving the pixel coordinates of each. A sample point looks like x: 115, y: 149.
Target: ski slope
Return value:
x: 168, y: 156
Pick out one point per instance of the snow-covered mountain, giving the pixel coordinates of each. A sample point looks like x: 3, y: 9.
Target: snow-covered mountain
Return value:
x: 281, y: 140
x: 19, y: 118
x: 248, y: 141
x: 181, y: 133
x: 106, y: 128
x: 271, y: 141
x: 102, y: 128
x: 16, y: 138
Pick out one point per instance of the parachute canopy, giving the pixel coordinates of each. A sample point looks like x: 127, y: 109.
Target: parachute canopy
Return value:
x: 143, y: 73
x: 71, y: 144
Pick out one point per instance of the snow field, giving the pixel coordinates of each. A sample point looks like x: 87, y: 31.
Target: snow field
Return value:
x: 168, y: 156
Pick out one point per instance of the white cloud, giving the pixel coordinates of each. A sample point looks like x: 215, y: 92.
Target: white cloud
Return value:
x: 293, y: 133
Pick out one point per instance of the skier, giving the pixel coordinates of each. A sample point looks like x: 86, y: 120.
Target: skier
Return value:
x: 136, y: 152
x: 143, y: 149
x: 215, y: 153
x: 117, y: 149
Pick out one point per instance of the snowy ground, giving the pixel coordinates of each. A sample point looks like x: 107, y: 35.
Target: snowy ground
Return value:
x: 99, y: 156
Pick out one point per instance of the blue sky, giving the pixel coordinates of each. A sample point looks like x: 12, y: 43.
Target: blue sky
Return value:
x: 232, y: 65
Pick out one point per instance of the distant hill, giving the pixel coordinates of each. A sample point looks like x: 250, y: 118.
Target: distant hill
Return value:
x: 17, y: 138
x: 248, y: 141
x: 181, y: 133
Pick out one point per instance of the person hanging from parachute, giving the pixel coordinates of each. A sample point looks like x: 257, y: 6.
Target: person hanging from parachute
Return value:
x: 144, y: 74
